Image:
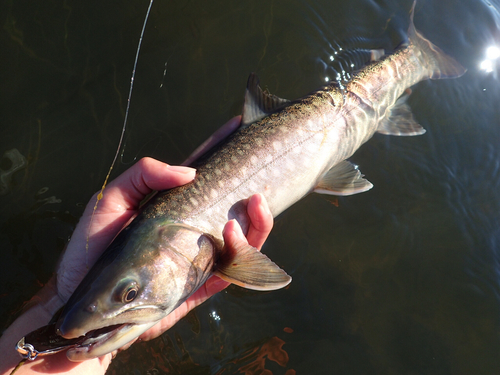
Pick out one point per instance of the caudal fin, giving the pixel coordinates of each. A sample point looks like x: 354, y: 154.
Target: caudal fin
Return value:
x: 437, y: 62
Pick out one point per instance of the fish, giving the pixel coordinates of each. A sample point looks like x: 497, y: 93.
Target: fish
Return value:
x: 283, y: 150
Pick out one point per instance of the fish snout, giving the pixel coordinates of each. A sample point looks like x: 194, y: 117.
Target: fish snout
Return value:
x: 70, y: 324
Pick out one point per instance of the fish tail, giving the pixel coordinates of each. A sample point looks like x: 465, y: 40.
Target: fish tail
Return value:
x: 438, y: 64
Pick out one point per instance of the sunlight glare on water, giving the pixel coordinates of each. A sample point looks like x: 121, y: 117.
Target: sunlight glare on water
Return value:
x: 491, y: 61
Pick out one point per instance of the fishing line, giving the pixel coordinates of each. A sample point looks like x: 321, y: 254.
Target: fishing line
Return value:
x: 101, y: 193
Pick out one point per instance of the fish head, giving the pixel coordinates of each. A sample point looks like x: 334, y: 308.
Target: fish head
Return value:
x: 145, y: 274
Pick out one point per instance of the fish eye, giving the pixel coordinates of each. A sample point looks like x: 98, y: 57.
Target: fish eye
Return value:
x: 130, y: 294
x: 127, y: 291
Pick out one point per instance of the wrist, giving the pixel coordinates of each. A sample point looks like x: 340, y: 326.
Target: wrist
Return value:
x: 36, y: 313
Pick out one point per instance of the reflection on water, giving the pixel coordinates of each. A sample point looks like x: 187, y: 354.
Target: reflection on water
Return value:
x: 403, y: 279
x: 254, y: 360
x: 11, y: 162
x: 171, y: 356
x: 490, y: 63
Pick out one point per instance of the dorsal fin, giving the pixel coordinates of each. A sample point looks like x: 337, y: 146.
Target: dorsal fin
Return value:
x: 259, y: 104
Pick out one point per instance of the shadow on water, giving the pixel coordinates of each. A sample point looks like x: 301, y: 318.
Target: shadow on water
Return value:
x: 403, y: 279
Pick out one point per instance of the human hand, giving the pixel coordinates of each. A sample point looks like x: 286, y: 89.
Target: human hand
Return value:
x: 115, y: 210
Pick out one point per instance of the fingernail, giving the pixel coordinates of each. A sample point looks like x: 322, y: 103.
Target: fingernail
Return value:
x: 264, y: 206
x: 238, y: 232
x: 234, y: 228
x: 180, y: 169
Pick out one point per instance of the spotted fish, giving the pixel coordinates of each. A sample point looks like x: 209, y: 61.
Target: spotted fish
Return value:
x: 284, y: 150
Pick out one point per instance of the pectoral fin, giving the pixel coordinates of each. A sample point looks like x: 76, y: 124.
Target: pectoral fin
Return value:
x: 251, y: 269
x: 258, y: 104
x: 399, y: 120
x: 343, y: 179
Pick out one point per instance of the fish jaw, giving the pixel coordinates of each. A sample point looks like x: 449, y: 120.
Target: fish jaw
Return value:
x: 107, y: 342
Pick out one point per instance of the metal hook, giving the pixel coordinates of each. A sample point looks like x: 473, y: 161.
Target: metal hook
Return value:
x: 27, y: 351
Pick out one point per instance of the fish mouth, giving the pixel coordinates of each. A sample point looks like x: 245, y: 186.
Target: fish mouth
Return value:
x: 93, y: 344
x: 100, y: 335
x: 105, y: 340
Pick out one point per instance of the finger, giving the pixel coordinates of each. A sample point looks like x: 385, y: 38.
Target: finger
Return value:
x: 118, y: 205
x: 232, y: 237
x: 145, y: 176
x: 261, y: 220
x: 226, y: 129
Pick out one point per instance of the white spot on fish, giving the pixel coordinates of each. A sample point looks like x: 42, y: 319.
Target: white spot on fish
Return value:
x: 213, y: 193
x: 268, y: 159
x: 227, y: 167
x: 218, y: 172
x: 259, y: 142
x: 254, y: 159
x: 277, y: 145
x: 236, y: 182
x: 252, y: 185
x: 193, y: 201
x: 234, y: 159
x: 221, y: 183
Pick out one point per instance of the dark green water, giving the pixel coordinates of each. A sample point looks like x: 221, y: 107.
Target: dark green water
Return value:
x: 403, y: 279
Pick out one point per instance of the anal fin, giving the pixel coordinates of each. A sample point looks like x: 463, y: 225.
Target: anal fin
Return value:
x: 399, y: 119
x: 343, y: 179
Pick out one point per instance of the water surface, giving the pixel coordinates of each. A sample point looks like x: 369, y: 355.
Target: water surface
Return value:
x: 403, y: 279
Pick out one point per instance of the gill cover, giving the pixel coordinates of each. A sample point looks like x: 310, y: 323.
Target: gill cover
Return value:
x: 146, y: 272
